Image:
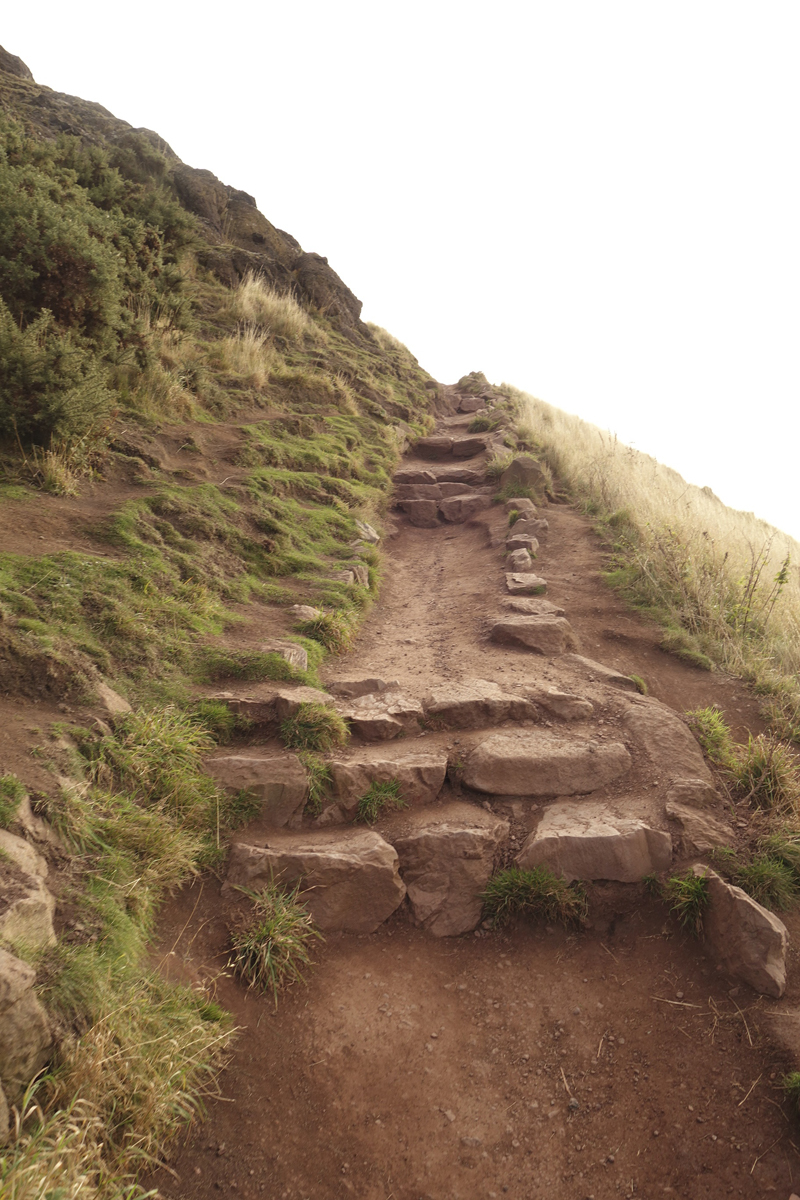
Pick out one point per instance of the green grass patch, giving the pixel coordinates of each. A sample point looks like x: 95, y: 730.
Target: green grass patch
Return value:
x: 314, y: 727
x: 12, y: 793
x: 378, y: 799
x: 216, y: 663
x: 766, y: 773
x: 534, y: 893
x: 713, y: 733
x: 685, y: 647
x: 271, y: 946
x: 333, y: 630
x: 219, y: 719
x: 687, y: 896
x: 319, y: 780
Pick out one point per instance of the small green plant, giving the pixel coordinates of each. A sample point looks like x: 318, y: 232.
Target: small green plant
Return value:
x: 513, y: 517
x: 271, y: 945
x: 220, y: 720
x: 768, y: 880
x: 536, y: 892
x: 713, y: 734
x: 791, y: 1087
x: 319, y: 778
x: 687, y: 896
x: 483, y: 423
x: 314, y: 727
x: 766, y: 771
x: 378, y: 799
x: 333, y: 630
x: 683, y: 646
x: 12, y: 793
x: 497, y: 464
x: 240, y: 808
x: 652, y: 884
x: 641, y: 686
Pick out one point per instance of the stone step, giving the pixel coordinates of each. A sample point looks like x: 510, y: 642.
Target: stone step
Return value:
x: 522, y: 542
x: 532, y: 527
x: 279, y: 780
x: 667, y: 741
x: 745, y: 940
x: 439, y: 447
x: 522, y: 505
x: 535, y: 605
x: 353, y: 686
x: 349, y: 878
x: 564, y: 705
x: 535, y: 762
x: 474, y: 704
x: 542, y: 634
x: 519, y: 560
x: 421, y: 776
x: 701, y: 832
x: 380, y: 716
x: 458, y: 509
x: 586, y: 840
x: 525, y: 583
x: 267, y: 704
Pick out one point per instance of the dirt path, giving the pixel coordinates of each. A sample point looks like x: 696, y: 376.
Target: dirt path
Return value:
x: 530, y: 1063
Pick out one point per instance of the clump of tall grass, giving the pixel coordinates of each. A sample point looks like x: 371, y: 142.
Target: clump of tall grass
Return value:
x: 763, y: 772
x: 333, y: 630
x: 247, y: 353
x: 271, y: 944
x: 537, y: 892
x: 687, y: 896
x: 380, y: 797
x: 12, y: 793
x: 314, y: 727
x: 724, y: 578
x: 259, y: 306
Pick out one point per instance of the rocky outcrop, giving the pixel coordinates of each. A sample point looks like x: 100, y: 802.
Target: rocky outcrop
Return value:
x: 668, y: 742
x: 544, y: 635
x: 349, y: 878
x: 525, y: 471
x: 25, y: 1039
x: 588, y: 841
x: 445, y: 863
x: 474, y: 704
x: 420, y: 776
x: 745, y: 940
x: 279, y: 780
x: 538, y: 763
x: 26, y: 903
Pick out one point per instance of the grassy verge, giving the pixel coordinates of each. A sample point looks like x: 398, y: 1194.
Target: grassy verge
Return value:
x: 721, y: 583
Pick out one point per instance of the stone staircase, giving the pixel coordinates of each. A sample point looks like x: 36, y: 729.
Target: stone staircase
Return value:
x: 575, y: 770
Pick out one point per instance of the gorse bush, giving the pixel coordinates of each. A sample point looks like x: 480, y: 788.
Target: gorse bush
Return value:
x: 271, y: 945
x: 537, y: 893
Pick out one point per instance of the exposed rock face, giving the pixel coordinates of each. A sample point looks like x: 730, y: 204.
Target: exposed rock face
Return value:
x: 595, y: 670
x: 668, y: 742
x: 474, y: 704
x: 420, y: 776
x: 13, y: 65
x: 26, y: 904
x: 700, y: 831
x: 525, y: 471
x: 457, y: 509
x: 537, y: 763
x: 279, y: 780
x: 379, y: 716
x: 544, y: 635
x: 446, y: 863
x: 25, y: 1038
x: 350, y: 879
x: 523, y: 583
x: 746, y: 941
x: 696, y: 793
x: 561, y: 704
x: 585, y: 840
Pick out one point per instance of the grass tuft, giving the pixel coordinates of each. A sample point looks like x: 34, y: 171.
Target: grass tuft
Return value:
x: 314, y: 727
x: 333, y: 630
x: 12, y: 793
x: 537, y: 893
x: 380, y: 798
x: 688, y: 897
x: 271, y: 945
x: 319, y: 779
x: 713, y: 733
x: 766, y: 773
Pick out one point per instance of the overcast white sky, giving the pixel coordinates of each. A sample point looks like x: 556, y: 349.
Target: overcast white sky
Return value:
x: 597, y: 202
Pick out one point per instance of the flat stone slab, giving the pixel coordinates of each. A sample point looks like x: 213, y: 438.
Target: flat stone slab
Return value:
x: 413, y: 475
x: 279, y: 780
x: 458, y: 475
x: 360, y: 685
x: 522, y: 542
x: 544, y: 635
x: 535, y: 762
x: 434, y: 447
x: 289, y: 699
x: 422, y: 513
x: 446, y: 862
x: 421, y: 777
x: 524, y: 583
x: 380, y: 716
x: 349, y: 878
x: 26, y: 904
x: 745, y: 940
x: 457, y: 509
x: 474, y: 704
x: 700, y: 831
x: 468, y: 447
x: 565, y: 705
x: 668, y: 742
x: 586, y: 840
x: 536, y: 605
x: 519, y: 560
x: 600, y: 672
x: 418, y: 491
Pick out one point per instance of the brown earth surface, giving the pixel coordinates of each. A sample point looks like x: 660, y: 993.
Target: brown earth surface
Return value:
x: 530, y: 1062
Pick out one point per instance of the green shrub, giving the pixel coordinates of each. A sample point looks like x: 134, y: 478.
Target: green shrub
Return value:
x: 483, y: 423
x: 687, y: 896
x: 641, y: 686
x: 12, y: 793
x: 271, y: 946
x: 537, y: 893
x: 378, y: 799
x: 314, y: 727
x: 514, y: 516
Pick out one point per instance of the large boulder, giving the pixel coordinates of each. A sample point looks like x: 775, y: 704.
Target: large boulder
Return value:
x: 446, y: 862
x: 545, y: 635
x: 421, y: 777
x: 701, y: 832
x: 380, y: 716
x: 25, y: 1038
x: 26, y: 903
x: 458, y: 509
x: 535, y: 762
x: 525, y: 583
x: 279, y: 780
x: 349, y: 878
x: 668, y: 742
x: 586, y: 840
x: 474, y: 704
x: 746, y: 941
x: 525, y: 471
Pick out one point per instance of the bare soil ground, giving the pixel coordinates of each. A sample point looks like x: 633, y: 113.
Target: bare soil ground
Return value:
x: 531, y: 1062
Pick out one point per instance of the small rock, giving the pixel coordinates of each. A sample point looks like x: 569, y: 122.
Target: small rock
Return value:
x: 525, y: 583
x: 368, y: 534
x: 305, y: 612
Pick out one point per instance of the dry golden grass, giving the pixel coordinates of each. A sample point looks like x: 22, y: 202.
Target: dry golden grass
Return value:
x: 275, y: 314
x: 248, y: 353
x: 725, y: 579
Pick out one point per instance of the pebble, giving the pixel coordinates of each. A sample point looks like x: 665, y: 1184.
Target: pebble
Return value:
x: 574, y: 1104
